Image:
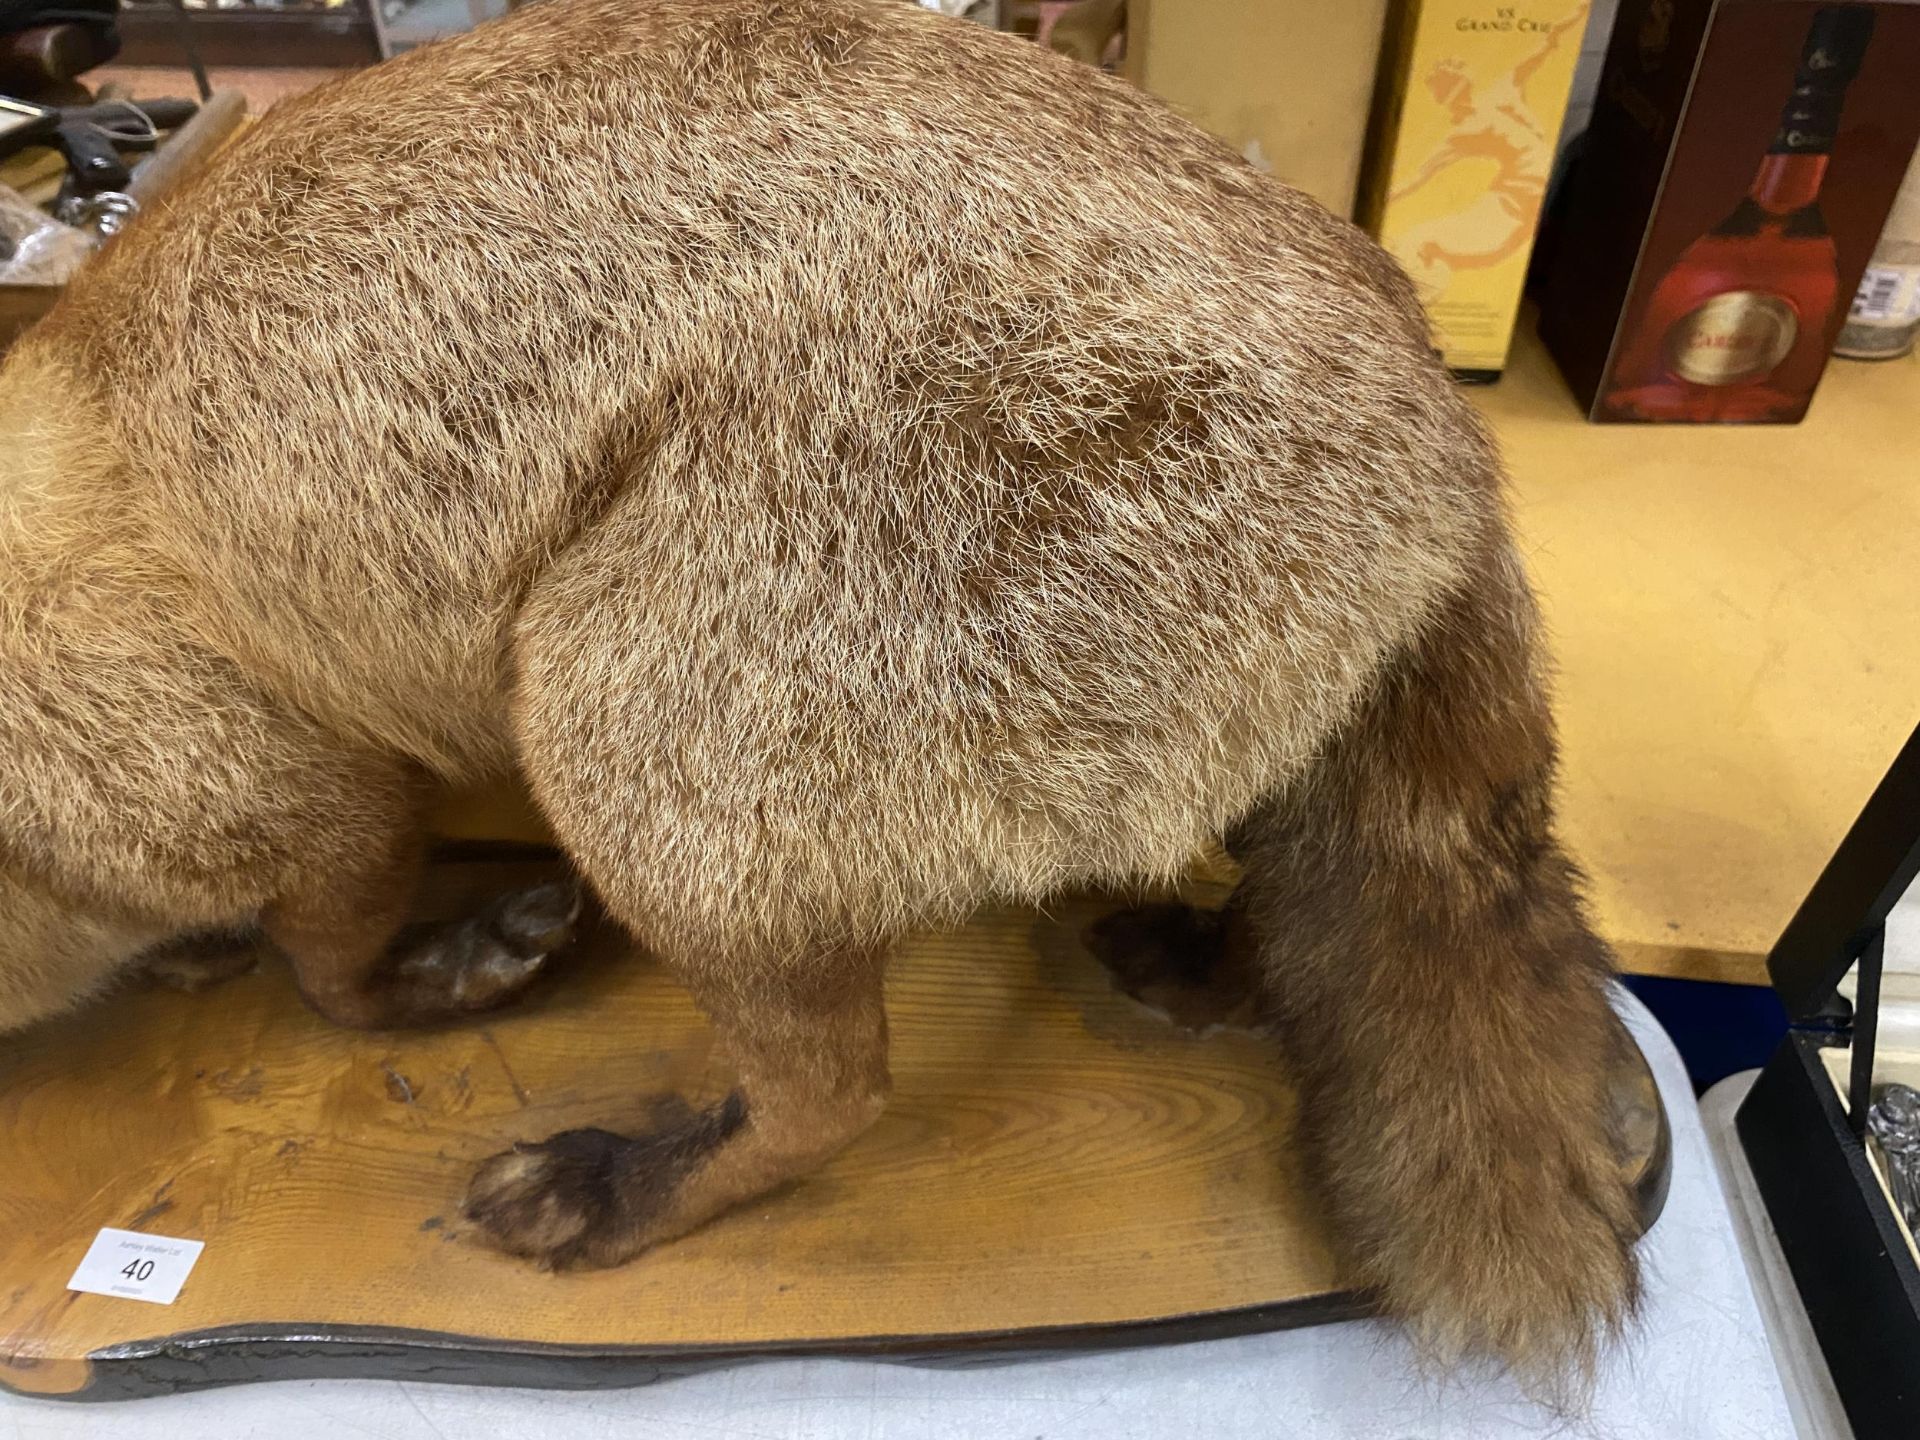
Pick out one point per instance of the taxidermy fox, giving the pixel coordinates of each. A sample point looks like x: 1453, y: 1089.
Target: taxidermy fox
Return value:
x: 855, y: 466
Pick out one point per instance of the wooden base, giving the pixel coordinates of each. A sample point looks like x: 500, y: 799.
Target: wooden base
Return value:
x: 1060, y: 1167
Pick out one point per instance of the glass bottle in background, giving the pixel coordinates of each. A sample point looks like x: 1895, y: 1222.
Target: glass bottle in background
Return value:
x: 1737, y: 329
x: 1886, y: 308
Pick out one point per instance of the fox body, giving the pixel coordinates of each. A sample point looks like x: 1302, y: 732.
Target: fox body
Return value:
x: 854, y: 466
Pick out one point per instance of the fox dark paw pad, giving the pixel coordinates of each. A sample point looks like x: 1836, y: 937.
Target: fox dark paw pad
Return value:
x: 1175, y: 959
x: 486, y: 958
x: 592, y: 1198
x: 559, y: 1202
x: 1158, y: 944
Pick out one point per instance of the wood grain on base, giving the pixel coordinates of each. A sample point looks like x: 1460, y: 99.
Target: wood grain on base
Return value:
x: 1055, y: 1156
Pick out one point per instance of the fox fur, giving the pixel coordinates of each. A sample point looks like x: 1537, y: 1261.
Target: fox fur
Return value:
x: 855, y: 466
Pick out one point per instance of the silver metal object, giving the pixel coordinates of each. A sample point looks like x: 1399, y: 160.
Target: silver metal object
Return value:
x: 107, y: 213
x: 1894, y: 1124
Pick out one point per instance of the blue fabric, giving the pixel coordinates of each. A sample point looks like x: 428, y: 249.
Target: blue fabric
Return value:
x: 1719, y: 1030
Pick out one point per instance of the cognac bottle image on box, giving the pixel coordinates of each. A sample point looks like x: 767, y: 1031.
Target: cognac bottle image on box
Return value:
x: 1739, y: 328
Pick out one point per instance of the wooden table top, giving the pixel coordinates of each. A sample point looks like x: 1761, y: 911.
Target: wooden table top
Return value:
x: 1735, y: 613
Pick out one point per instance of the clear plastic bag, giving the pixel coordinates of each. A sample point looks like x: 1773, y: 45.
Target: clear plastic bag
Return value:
x: 35, y: 248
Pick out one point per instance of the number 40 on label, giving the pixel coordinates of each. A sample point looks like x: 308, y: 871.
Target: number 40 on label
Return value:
x: 127, y: 1265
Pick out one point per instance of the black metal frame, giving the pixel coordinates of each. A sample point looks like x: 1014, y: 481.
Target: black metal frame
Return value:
x: 1839, y: 1234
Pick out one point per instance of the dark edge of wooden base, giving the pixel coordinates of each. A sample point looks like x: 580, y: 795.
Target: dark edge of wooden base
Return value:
x: 237, y: 1354
x: 1656, y: 1181
x: 1848, y: 1258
